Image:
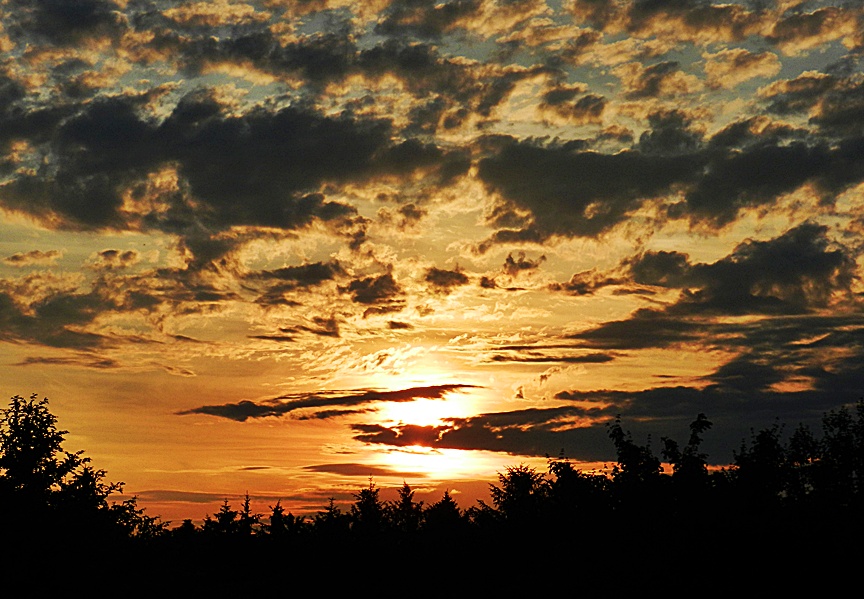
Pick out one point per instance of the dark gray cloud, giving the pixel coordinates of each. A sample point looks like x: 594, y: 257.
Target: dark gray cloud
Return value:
x: 552, y: 190
x: 65, y: 23
x: 55, y: 320
x: 323, y: 327
x: 516, y: 266
x: 353, y: 470
x: 451, y: 89
x: 645, y: 328
x: 587, y: 282
x: 796, y: 272
x: 562, y: 101
x: 536, y: 357
x: 651, y: 81
x: 681, y: 20
x: 443, y: 281
x: 671, y: 132
x: 304, y: 275
x: 758, y: 176
x: 81, y: 360
x: 425, y: 18
x: 799, y: 94
x: 573, y: 193
x: 116, y: 259
x: 260, y: 168
x: 374, y: 290
x: 33, y: 257
x: 318, y: 402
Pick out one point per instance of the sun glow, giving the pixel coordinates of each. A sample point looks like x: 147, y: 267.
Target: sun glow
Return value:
x: 450, y: 464
x: 425, y: 412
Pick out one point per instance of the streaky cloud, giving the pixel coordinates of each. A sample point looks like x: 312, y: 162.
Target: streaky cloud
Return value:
x: 279, y: 406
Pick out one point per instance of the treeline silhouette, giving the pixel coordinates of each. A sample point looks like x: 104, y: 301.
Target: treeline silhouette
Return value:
x: 796, y: 498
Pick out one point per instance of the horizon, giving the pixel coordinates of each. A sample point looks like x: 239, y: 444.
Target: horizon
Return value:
x: 285, y: 248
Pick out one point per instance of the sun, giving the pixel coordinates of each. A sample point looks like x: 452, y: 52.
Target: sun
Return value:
x: 424, y: 411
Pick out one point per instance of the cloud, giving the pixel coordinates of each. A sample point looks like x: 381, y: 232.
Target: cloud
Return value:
x: 354, y: 469
x: 323, y: 327
x: 655, y: 81
x: 798, y: 272
x: 579, y: 431
x: 281, y: 281
x: 428, y: 19
x: 60, y: 23
x: 550, y: 190
x: 755, y: 177
x: 214, y: 14
x: 586, y: 282
x: 81, y: 360
x: 280, y: 159
x: 374, y: 290
x: 729, y: 68
x: 54, y: 321
x: 534, y: 432
x: 789, y: 96
x: 802, y: 31
x: 317, y: 402
x: 695, y: 21
x: 645, y: 328
x: 561, y: 101
x: 516, y: 266
x: 443, y: 281
x: 541, y: 358
x: 115, y: 259
x: 33, y: 257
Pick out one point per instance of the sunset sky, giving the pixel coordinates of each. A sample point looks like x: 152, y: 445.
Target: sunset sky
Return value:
x: 284, y: 247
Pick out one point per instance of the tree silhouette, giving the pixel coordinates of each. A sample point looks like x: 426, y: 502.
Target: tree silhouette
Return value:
x: 32, y: 460
x: 443, y: 519
x: 46, y: 491
x: 576, y: 499
x: 285, y: 525
x: 779, y: 497
x: 520, y: 497
x: 689, y: 469
x: 248, y: 523
x: 331, y: 523
x: 761, y: 471
x: 368, y: 514
x: 404, y: 514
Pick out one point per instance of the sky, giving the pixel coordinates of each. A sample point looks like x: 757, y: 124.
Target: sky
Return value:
x: 292, y: 248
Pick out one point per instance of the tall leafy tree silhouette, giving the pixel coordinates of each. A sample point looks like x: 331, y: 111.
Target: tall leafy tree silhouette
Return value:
x: 689, y: 468
x: 636, y: 477
x: 519, y: 499
x: 32, y: 461
x: 46, y: 491
x: 761, y: 472
x: 576, y: 500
